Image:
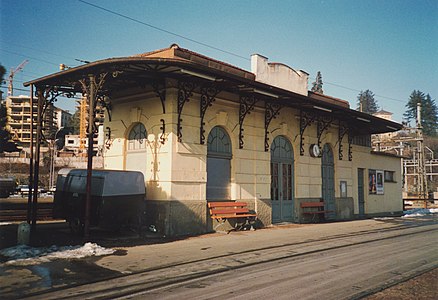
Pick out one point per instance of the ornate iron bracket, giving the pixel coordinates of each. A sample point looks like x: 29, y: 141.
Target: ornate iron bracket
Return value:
x: 350, y: 148
x: 342, y: 131
x: 323, y: 124
x: 50, y: 95
x: 185, y: 91
x: 160, y: 90
x: 109, y: 140
x: 208, y: 96
x: 105, y: 101
x: 86, y: 84
x: 306, y: 119
x: 163, y: 131
x: 271, y: 112
x: 247, y: 104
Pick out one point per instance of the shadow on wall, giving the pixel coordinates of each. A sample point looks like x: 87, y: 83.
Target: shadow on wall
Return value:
x: 174, y: 217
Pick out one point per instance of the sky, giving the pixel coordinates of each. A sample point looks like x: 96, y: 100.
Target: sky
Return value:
x: 389, y: 47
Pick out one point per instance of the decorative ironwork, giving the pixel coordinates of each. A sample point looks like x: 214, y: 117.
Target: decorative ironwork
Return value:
x: 160, y: 90
x: 208, y: 96
x: 271, y: 112
x: 163, y: 132
x: 306, y: 119
x: 86, y: 88
x: 105, y: 102
x: 109, y: 140
x: 342, y: 131
x: 49, y: 95
x: 247, y: 104
x: 323, y: 124
x: 185, y: 91
x: 350, y: 148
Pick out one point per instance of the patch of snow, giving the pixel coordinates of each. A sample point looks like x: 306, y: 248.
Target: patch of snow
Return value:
x: 5, y: 223
x: 419, y: 212
x: 26, y: 255
x: 383, y: 218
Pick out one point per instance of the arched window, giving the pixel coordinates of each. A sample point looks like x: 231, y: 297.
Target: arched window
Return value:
x: 218, y: 143
x: 218, y: 165
x: 137, y: 137
x: 136, y: 154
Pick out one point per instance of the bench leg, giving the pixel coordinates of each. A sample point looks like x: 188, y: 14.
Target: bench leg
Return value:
x: 220, y: 222
x: 248, y: 223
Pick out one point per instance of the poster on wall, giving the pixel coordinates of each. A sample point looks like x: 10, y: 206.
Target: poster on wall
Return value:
x: 372, y: 189
x: 379, y: 182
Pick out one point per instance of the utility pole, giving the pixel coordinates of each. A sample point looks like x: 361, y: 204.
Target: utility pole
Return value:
x: 421, y: 170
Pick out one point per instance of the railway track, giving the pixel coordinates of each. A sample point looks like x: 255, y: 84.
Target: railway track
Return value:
x: 138, y: 283
x: 15, y: 212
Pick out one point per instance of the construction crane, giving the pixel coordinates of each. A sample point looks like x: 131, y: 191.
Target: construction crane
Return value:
x: 12, y: 74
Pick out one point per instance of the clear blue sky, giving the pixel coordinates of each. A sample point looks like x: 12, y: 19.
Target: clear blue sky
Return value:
x: 389, y: 47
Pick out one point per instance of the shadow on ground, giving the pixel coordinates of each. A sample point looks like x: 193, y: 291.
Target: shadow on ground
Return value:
x: 58, y: 233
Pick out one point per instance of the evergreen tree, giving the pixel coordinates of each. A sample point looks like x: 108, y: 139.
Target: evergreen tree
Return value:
x: 317, y: 85
x: 366, y: 102
x: 429, y: 112
x: 2, y: 74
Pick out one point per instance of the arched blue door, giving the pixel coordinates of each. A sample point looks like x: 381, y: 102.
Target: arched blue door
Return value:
x: 218, y: 165
x: 282, y: 180
x: 328, y: 181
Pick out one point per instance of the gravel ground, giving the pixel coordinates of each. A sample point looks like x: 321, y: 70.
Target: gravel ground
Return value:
x: 423, y: 287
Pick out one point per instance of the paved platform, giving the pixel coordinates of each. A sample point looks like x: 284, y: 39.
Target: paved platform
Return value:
x: 137, y: 253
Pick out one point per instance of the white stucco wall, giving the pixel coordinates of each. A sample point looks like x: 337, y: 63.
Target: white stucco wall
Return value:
x: 279, y: 75
x: 176, y: 171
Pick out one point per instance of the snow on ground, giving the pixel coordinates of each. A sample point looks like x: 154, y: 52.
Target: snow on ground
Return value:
x: 26, y: 255
x: 412, y: 213
x: 419, y: 212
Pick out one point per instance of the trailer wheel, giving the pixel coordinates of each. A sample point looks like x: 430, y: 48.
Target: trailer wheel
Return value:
x: 76, y: 226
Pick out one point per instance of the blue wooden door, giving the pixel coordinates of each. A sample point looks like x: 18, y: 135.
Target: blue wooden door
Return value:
x: 218, y: 165
x: 328, y: 181
x: 282, y: 180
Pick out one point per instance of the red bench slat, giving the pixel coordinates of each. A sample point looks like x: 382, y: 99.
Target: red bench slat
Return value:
x: 312, y: 204
x: 226, y: 204
x: 228, y: 211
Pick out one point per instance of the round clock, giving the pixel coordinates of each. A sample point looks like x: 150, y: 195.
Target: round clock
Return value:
x: 315, y: 151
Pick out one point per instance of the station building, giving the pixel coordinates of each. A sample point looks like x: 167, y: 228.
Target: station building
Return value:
x: 203, y: 130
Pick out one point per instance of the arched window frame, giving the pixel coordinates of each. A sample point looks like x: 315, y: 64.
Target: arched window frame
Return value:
x: 219, y: 143
x: 137, y: 137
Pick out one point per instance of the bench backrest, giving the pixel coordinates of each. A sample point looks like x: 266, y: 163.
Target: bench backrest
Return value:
x: 220, y: 208
x: 312, y: 204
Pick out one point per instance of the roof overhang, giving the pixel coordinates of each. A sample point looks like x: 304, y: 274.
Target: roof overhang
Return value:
x: 126, y: 71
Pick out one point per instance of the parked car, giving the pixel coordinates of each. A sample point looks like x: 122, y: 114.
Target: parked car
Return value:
x: 24, y: 190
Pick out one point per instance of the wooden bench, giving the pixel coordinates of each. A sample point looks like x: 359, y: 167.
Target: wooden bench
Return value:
x: 314, y: 208
x: 222, y: 211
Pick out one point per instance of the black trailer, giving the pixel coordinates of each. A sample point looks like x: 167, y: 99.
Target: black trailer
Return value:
x: 7, y: 186
x: 117, y: 198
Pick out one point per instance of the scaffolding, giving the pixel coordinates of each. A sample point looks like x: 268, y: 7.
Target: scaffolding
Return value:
x: 418, y: 170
